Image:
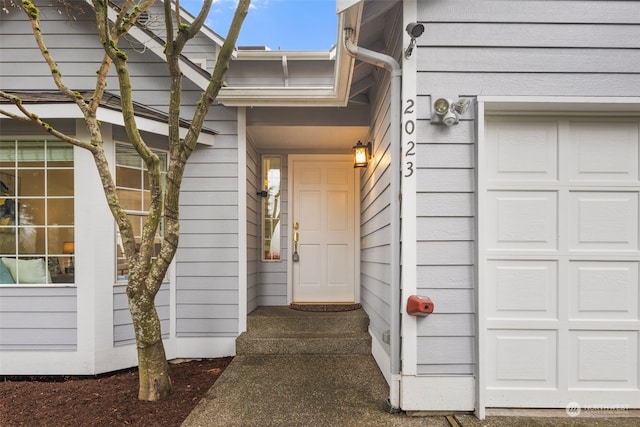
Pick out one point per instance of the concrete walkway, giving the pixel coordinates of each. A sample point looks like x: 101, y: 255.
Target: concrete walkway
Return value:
x: 334, y: 390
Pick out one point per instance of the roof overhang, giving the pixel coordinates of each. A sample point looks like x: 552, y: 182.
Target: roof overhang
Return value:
x: 336, y: 95
x: 57, y: 110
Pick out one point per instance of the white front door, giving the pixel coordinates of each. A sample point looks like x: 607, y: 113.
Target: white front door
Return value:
x: 322, y: 216
x: 559, y: 260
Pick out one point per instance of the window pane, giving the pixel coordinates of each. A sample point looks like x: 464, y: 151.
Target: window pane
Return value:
x: 7, y: 154
x: 59, y: 154
x: 60, y: 182
x: 130, y: 199
x: 127, y: 156
x: 31, y: 154
x: 31, y: 240
x: 7, y: 211
x: 7, y: 240
x: 60, y: 212
x: 129, y: 178
x: 31, y: 182
x: 56, y: 239
x: 271, y: 208
x: 31, y: 212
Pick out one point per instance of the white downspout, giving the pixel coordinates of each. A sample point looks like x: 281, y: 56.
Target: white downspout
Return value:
x: 389, y: 63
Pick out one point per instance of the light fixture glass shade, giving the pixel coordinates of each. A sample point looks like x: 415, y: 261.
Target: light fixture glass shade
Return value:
x: 360, y: 155
x: 68, y: 248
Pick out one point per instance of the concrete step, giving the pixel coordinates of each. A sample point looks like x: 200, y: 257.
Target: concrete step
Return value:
x: 284, y: 319
x: 290, y: 343
x: 281, y: 330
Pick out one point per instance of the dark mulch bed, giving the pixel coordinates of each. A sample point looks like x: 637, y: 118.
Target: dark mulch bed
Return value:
x: 107, y: 400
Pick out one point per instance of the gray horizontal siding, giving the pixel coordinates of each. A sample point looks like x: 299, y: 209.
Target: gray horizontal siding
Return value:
x: 253, y: 225
x: 38, y: 318
x: 492, y: 47
x: 123, y: 333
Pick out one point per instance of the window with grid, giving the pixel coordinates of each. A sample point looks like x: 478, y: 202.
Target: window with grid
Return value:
x: 132, y: 185
x: 37, y: 244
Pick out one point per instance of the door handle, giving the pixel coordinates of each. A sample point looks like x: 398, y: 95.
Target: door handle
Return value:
x: 296, y: 236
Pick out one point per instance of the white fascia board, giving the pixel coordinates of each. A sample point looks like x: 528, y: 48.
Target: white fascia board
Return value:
x: 342, y: 5
x: 276, y: 55
x: 279, y: 97
x: 70, y: 111
x: 212, y: 35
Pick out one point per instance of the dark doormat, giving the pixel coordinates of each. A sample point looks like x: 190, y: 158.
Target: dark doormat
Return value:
x: 325, y: 307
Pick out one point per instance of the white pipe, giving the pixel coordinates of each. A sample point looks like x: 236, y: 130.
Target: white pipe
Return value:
x: 390, y: 64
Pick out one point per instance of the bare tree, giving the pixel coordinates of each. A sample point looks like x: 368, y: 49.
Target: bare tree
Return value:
x: 146, y: 271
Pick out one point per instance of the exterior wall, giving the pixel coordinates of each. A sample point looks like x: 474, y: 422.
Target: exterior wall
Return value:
x: 123, y: 333
x: 207, y: 258
x: 518, y: 48
x: 253, y: 226
x: 200, y: 313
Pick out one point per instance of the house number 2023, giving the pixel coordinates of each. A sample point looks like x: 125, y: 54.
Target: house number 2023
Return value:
x: 409, y: 129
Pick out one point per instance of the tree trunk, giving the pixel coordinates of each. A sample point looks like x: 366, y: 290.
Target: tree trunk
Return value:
x: 153, y: 369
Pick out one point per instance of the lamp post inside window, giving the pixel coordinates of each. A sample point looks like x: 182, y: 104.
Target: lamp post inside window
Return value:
x: 361, y: 155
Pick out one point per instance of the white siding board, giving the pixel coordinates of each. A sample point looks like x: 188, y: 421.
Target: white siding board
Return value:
x: 506, y: 34
x: 445, y: 276
x: 445, y: 253
x: 446, y: 325
x: 446, y: 155
x: 445, y: 228
x: 557, y: 11
x: 34, y: 318
x: 529, y: 84
x: 445, y: 204
x: 538, y: 60
x: 445, y: 180
x: 446, y: 350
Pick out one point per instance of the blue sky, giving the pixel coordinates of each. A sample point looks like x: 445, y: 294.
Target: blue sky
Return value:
x: 278, y: 24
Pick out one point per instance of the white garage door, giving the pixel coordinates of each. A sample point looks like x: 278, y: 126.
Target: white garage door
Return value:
x: 559, y: 261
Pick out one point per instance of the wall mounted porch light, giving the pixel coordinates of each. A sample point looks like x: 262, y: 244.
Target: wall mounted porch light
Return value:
x: 362, y: 154
x: 447, y: 112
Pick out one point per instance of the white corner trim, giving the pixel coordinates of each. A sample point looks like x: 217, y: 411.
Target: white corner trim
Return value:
x: 242, y: 220
x: 437, y: 393
x: 381, y: 357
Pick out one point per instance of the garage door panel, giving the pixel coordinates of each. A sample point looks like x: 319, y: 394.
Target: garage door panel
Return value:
x: 603, y: 151
x: 523, y: 151
x: 523, y: 359
x: 604, y: 359
x: 603, y: 290
x: 559, y: 261
x: 523, y: 220
x: 603, y: 221
x: 522, y: 289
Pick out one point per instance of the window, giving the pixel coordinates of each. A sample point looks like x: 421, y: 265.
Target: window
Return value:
x: 271, y: 208
x: 132, y: 185
x: 36, y: 212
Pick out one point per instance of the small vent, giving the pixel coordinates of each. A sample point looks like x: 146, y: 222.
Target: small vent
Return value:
x: 144, y: 18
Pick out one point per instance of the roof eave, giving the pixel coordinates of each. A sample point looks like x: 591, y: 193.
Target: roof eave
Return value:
x: 335, y: 96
